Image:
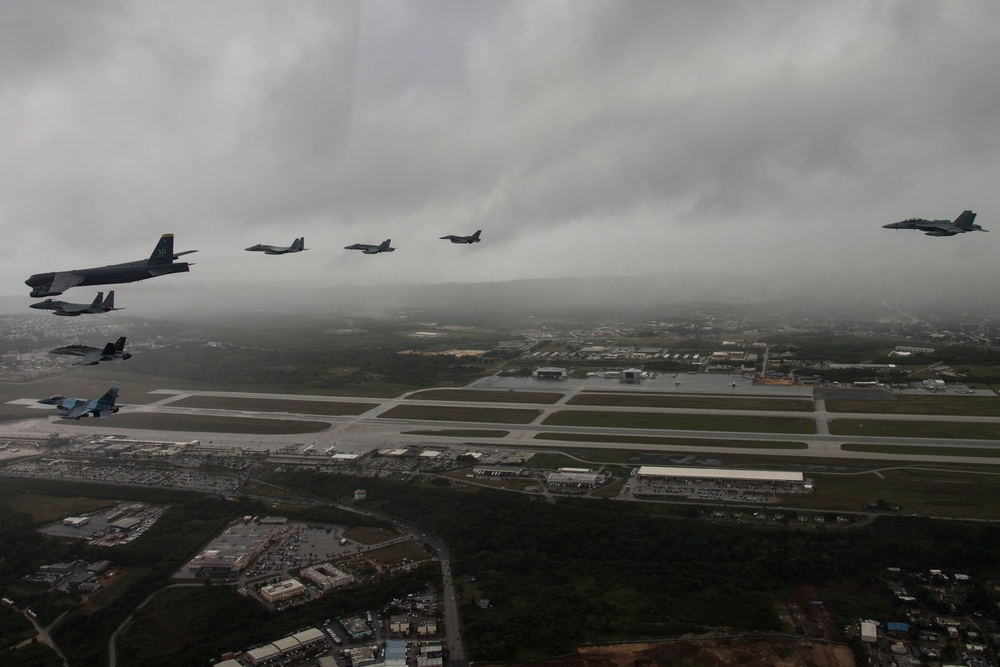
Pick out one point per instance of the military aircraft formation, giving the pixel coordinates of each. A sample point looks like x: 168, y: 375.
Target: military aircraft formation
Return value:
x: 962, y: 224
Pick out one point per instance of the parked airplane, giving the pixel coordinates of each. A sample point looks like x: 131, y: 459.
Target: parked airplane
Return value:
x: 298, y: 245
x: 962, y: 224
x: 369, y: 249
x: 81, y: 407
x: 463, y: 239
x: 160, y: 263
x: 95, y: 355
x: 99, y: 305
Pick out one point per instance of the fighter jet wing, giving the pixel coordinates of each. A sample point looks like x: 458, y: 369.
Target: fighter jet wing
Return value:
x: 79, y: 410
x: 91, y: 358
x: 63, y: 280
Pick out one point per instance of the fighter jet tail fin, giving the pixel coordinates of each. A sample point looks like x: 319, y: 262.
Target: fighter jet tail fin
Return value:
x: 109, y: 303
x: 95, y: 306
x: 385, y: 244
x: 109, y: 349
x: 475, y: 237
x: 965, y: 220
x: 163, y: 253
x: 299, y: 244
x: 119, y: 344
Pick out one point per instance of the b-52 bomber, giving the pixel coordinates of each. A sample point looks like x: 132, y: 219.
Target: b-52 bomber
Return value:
x: 474, y: 238
x: 75, y: 408
x: 962, y: 224
x: 298, y: 245
x: 369, y: 249
x: 160, y: 263
x: 95, y: 355
x: 66, y: 309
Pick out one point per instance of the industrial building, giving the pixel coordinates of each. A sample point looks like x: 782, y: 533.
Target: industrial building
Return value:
x: 232, y: 551
x: 76, y: 521
x: 283, y: 590
x: 578, y: 478
x: 497, y: 471
x: 270, y: 653
x: 790, y: 482
x: 550, y: 373
x: 395, y: 653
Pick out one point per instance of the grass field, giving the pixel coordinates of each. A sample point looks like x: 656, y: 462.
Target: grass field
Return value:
x: 682, y: 422
x: 328, y: 408
x: 694, y: 443
x: 206, y: 424
x: 915, y: 429
x: 979, y: 406
x: 45, y: 509
x: 461, y: 433
x: 396, y: 554
x: 542, y: 397
x: 693, y: 402
x: 445, y: 413
x: 898, y: 451
x: 917, y: 490
x: 366, y: 535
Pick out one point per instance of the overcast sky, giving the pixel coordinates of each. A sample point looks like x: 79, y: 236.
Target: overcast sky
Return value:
x: 764, y: 138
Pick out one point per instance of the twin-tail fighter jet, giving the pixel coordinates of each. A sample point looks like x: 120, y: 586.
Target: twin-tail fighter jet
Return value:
x: 298, y: 245
x: 66, y: 309
x: 369, y: 249
x: 75, y: 408
x: 962, y: 224
x: 474, y: 238
x: 95, y: 355
x: 160, y: 263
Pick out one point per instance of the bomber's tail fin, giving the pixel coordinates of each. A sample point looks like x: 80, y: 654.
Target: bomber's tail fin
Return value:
x: 966, y: 219
x: 119, y: 344
x: 163, y: 253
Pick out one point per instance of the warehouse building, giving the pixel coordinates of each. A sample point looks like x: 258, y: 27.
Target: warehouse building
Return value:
x: 550, y: 373
x: 232, y: 551
x: 76, y: 521
x: 497, y: 471
x: 577, y: 479
x: 789, y: 482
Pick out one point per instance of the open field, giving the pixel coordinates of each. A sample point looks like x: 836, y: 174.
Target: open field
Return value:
x: 694, y: 443
x: 329, y: 408
x: 682, y: 422
x: 205, y: 424
x: 915, y: 429
x: 542, y: 397
x: 368, y: 535
x: 968, y: 494
x: 978, y: 406
x: 44, y: 508
x: 902, y: 451
x: 445, y: 413
x: 461, y: 433
x: 693, y: 402
x: 396, y: 554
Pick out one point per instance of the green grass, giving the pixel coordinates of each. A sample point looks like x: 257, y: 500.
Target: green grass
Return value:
x: 332, y: 408
x: 461, y: 433
x: 979, y: 406
x: 45, y: 508
x: 486, y: 396
x: 204, y: 424
x: 676, y: 442
x: 445, y: 413
x: 900, y: 451
x: 693, y: 402
x: 743, y: 424
x: 915, y: 429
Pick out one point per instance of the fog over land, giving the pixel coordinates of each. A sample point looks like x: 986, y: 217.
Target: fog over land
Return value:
x: 743, y: 151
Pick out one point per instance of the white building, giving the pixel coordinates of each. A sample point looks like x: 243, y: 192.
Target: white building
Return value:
x: 282, y: 590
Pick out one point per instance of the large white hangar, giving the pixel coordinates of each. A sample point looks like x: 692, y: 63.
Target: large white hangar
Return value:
x: 772, y: 479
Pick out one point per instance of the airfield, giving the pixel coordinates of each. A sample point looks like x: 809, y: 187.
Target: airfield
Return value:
x: 527, y: 413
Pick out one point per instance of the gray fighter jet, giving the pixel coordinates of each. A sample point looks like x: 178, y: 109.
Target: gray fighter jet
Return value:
x: 369, y: 249
x: 100, y: 305
x: 95, y: 355
x: 298, y: 245
x: 463, y: 239
x: 81, y: 407
x: 962, y: 224
x: 160, y: 263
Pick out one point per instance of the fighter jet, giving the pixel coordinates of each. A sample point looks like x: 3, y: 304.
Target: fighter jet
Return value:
x: 298, y: 245
x: 160, y: 263
x: 95, y: 355
x: 463, y: 239
x: 75, y: 309
x: 962, y: 224
x: 80, y: 407
x: 369, y: 249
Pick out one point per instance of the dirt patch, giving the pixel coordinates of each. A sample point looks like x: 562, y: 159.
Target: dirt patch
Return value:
x: 709, y: 653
